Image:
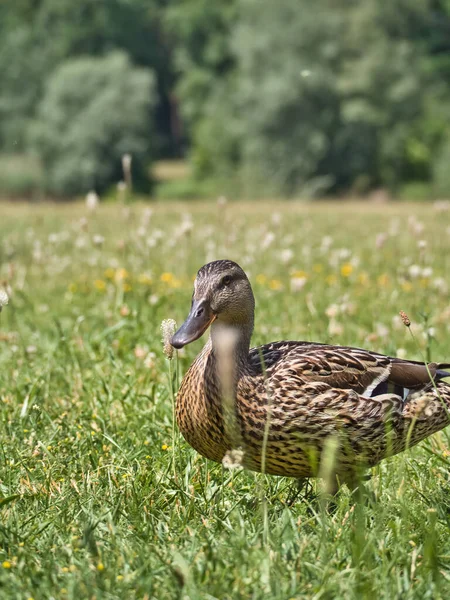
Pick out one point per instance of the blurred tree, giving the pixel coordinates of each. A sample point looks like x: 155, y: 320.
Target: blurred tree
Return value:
x: 276, y: 97
x: 93, y: 111
x: 327, y: 96
x: 36, y: 36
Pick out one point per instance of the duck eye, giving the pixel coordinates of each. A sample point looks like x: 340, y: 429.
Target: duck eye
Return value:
x: 225, y: 281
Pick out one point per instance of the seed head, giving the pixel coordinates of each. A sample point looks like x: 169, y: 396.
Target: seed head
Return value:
x: 92, y: 201
x: 405, y: 318
x: 3, y: 299
x: 168, y: 328
x: 233, y: 459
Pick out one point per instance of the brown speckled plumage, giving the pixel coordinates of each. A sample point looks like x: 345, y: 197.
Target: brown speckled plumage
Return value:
x: 371, y: 405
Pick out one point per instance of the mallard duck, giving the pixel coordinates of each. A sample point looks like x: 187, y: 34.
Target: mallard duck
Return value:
x: 293, y: 400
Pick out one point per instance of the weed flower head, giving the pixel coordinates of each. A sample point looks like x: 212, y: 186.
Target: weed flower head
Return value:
x: 405, y: 318
x: 91, y: 201
x: 233, y: 459
x: 168, y: 328
x: 126, y: 163
x: 3, y: 299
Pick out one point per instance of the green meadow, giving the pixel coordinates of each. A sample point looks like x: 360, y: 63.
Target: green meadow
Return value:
x: 101, y: 498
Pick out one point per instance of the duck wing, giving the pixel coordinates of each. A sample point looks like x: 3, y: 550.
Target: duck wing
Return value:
x: 340, y: 367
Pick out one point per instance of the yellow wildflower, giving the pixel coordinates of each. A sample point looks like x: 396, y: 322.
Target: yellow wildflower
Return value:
x: 109, y: 273
x: 164, y: 447
x: 6, y: 564
x: 346, y: 270
x: 100, y: 567
x: 145, y: 279
x: 121, y: 274
x: 383, y: 280
x: 407, y: 286
x: 275, y: 284
x: 363, y: 278
x: 261, y: 279
x: 299, y: 275
x: 100, y: 285
x: 331, y: 279
x: 167, y: 277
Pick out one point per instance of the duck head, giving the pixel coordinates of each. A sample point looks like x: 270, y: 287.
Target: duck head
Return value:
x: 222, y: 294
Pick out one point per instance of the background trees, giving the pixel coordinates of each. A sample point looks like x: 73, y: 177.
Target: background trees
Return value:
x: 93, y: 111
x: 276, y: 98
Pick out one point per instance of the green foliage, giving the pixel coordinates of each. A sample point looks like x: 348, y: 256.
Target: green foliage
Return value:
x: 93, y: 111
x: 313, y: 98
x: 273, y: 98
x: 441, y: 171
x: 37, y: 36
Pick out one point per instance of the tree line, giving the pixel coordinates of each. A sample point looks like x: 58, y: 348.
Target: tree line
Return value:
x: 263, y: 97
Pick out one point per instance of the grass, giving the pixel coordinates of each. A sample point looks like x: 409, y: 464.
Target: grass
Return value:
x: 99, y: 498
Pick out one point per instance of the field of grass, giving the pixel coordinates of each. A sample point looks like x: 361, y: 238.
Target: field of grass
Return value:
x: 101, y: 498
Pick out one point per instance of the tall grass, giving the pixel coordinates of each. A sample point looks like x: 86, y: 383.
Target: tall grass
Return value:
x: 99, y: 497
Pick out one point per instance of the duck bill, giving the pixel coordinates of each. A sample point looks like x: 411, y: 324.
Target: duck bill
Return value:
x: 198, y: 321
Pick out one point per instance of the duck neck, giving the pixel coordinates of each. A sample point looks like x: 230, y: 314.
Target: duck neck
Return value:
x: 232, y: 340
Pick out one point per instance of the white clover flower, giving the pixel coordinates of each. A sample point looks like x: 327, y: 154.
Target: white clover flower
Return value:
x: 233, y: 459
x: 150, y: 360
x: 298, y: 283
x: 3, y: 299
x: 276, y: 218
x: 415, y: 226
x: 286, y: 255
x: 414, y: 271
x: 335, y: 328
x: 168, y: 328
x: 380, y: 240
x: 326, y: 242
x: 381, y: 330
x: 268, y: 240
x: 440, y: 284
x: 332, y: 311
x: 98, y: 240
